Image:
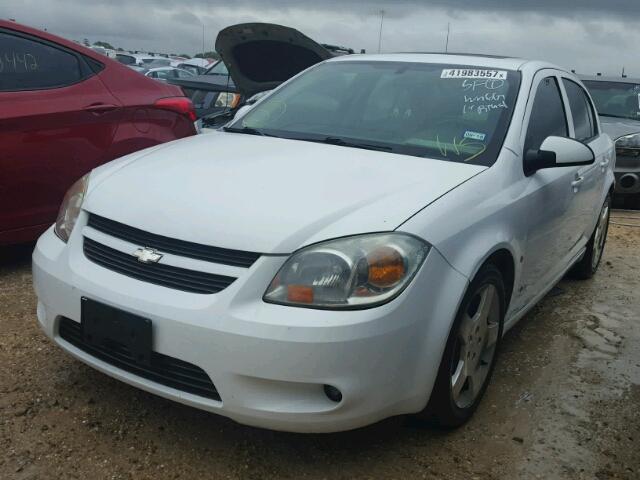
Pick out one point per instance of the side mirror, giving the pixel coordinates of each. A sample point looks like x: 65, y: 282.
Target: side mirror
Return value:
x: 557, y: 152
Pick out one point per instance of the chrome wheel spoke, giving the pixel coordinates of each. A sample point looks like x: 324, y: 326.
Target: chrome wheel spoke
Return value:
x: 484, y: 308
x: 476, y: 380
x: 599, y: 237
x: 466, y: 330
x: 477, y: 336
x: 492, y: 334
x: 459, y: 379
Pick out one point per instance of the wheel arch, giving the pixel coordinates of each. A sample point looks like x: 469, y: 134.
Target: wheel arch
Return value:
x: 503, y: 258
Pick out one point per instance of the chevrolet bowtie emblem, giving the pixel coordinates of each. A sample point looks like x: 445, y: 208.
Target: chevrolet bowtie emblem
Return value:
x: 147, y: 255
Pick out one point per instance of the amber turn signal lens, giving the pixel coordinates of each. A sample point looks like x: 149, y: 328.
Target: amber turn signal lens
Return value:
x: 386, y: 267
x: 300, y: 294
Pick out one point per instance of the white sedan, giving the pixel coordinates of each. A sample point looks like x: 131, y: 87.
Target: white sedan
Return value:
x: 352, y: 247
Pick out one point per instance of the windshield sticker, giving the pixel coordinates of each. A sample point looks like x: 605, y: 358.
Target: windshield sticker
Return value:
x: 474, y: 74
x: 474, y: 135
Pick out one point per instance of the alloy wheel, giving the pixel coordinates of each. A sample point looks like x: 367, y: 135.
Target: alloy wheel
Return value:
x: 476, y: 346
x: 600, y: 236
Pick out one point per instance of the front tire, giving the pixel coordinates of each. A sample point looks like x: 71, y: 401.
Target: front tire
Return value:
x: 588, y: 265
x: 470, y: 353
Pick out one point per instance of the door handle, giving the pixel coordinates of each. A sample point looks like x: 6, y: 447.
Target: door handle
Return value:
x: 577, y: 182
x: 101, y: 108
x: 604, y: 164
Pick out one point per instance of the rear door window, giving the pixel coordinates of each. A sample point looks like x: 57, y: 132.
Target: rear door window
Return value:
x: 548, y: 117
x: 581, y: 111
x: 27, y: 64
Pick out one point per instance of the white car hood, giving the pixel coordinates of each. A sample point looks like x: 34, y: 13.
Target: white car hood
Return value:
x: 264, y: 194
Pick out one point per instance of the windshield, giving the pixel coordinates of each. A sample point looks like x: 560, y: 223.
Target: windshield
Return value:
x: 616, y: 99
x: 429, y: 110
x: 158, y: 62
x: 218, y: 69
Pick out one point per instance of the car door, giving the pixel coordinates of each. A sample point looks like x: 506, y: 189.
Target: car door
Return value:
x: 57, y: 121
x: 551, y: 207
x: 584, y: 128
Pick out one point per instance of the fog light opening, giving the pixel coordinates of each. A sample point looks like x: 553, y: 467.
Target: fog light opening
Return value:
x: 333, y: 393
x: 628, y: 181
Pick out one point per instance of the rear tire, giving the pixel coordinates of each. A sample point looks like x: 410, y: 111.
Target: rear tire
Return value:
x: 588, y: 265
x: 470, y: 353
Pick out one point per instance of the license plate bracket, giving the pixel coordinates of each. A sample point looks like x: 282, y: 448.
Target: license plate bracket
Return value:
x: 102, y: 324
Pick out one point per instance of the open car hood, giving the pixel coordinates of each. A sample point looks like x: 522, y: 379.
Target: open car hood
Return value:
x: 260, y: 56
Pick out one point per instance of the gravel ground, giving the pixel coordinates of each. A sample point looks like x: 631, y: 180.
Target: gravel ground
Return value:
x: 563, y: 403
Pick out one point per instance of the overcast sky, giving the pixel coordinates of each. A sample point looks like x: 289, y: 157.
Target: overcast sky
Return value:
x: 587, y: 35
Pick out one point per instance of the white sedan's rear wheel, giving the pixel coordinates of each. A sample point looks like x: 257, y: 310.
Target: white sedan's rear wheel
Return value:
x: 588, y: 265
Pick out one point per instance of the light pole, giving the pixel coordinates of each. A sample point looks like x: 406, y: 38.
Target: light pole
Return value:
x: 382, y: 12
x: 203, y: 40
x: 446, y: 47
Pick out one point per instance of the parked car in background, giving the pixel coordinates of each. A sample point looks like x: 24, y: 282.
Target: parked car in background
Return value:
x: 351, y: 247
x: 212, y: 92
x: 104, y: 51
x: 197, y: 66
x: 140, y: 60
x: 195, y: 69
x: 126, y: 59
x: 255, y: 57
x: 65, y: 110
x: 618, y: 103
x: 165, y: 74
x: 159, y: 62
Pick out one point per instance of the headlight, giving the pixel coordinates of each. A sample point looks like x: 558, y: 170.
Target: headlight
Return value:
x: 70, y: 209
x: 352, y: 272
x: 629, y: 145
x: 227, y: 100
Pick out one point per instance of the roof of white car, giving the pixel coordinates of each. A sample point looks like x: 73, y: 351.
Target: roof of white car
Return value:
x: 600, y: 78
x: 473, y: 60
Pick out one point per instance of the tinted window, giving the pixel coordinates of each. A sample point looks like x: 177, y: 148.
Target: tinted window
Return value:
x: 446, y: 112
x: 615, y: 99
x: 581, y: 110
x: 547, y: 115
x: 190, y: 68
x: 218, y: 69
x: 27, y: 65
x: 125, y: 59
x: 164, y: 74
x: 183, y: 74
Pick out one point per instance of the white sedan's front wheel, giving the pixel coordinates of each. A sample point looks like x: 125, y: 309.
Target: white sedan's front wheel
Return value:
x: 470, y: 354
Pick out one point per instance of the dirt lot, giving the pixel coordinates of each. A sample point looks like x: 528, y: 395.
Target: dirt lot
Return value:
x: 564, y: 403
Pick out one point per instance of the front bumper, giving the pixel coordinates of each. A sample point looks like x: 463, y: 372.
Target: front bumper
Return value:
x: 627, y: 173
x: 269, y: 363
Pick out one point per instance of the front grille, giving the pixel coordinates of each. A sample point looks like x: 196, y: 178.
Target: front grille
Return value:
x: 236, y: 258
x: 164, y: 370
x: 156, y: 273
x: 630, y: 161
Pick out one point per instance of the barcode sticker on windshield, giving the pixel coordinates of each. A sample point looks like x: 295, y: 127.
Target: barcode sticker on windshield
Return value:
x: 474, y: 73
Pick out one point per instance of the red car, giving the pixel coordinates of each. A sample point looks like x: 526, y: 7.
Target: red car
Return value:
x: 65, y: 109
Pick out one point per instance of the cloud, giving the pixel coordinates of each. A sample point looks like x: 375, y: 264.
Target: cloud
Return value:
x: 587, y: 35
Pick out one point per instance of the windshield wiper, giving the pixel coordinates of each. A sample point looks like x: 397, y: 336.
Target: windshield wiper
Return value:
x: 246, y: 130
x: 346, y: 143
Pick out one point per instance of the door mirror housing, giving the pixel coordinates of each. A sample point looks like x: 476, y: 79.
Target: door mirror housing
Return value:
x: 557, y: 152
